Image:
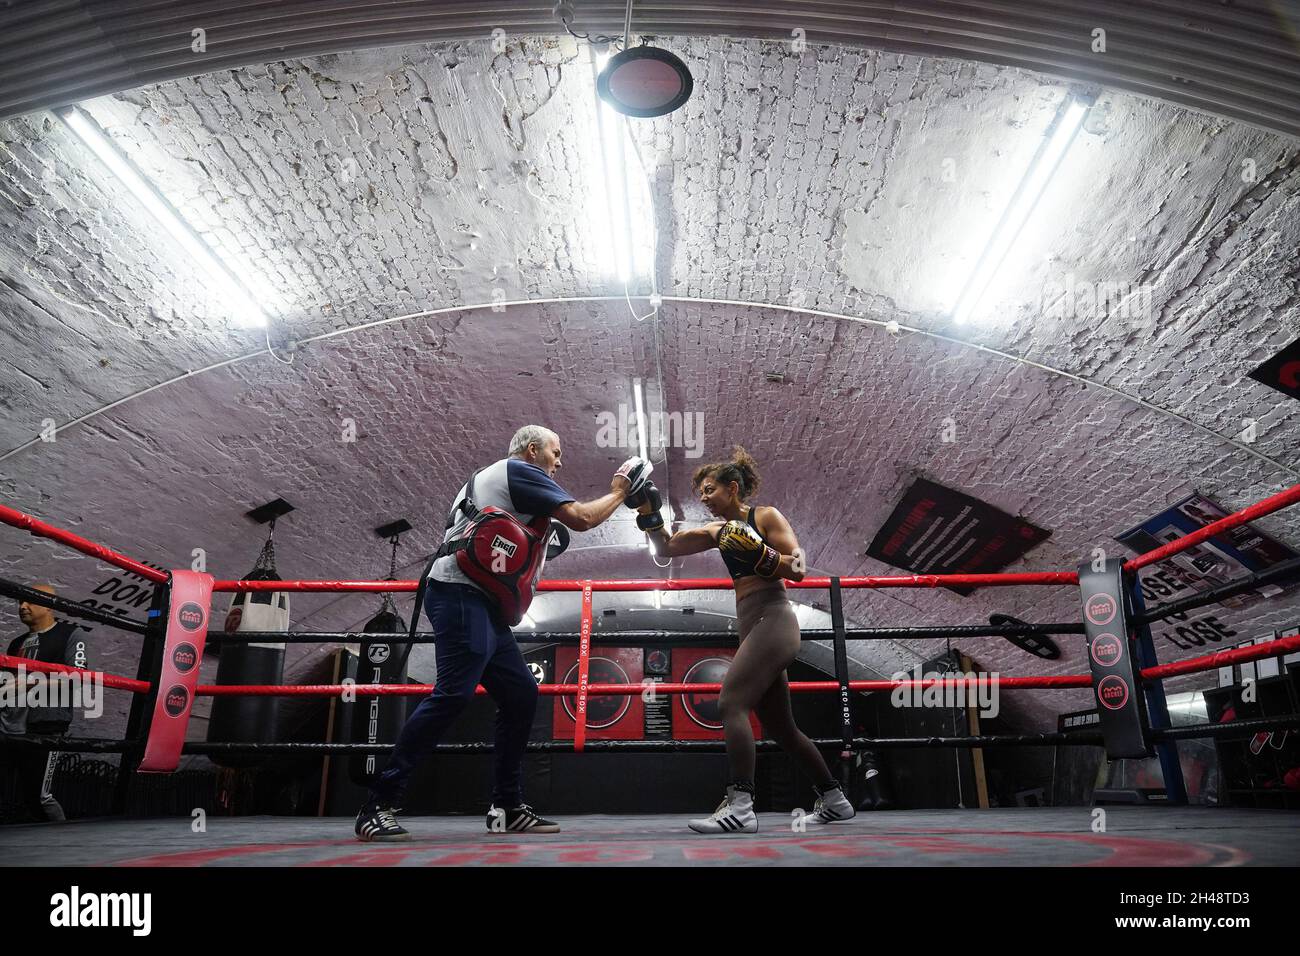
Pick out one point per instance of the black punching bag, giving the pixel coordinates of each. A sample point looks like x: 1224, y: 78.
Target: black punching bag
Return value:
x: 241, y: 719
x: 875, y: 788
x: 378, y: 719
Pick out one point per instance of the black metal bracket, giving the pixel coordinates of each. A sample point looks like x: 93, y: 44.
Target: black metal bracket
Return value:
x: 268, y: 512
x: 393, y: 528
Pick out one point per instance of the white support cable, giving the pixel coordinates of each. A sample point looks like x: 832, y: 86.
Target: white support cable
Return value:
x: 493, y: 307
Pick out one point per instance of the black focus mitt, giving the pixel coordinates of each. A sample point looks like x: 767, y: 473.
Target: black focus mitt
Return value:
x: 558, y: 542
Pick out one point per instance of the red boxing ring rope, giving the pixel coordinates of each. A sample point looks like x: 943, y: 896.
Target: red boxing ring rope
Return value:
x: 690, y: 584
x: 110, y: 680
x: 42, y: 530
x: 1258, y: 510
x: 1192, y: 665
x: 1061, y: 682
x: 1208, y: 662
x: 1269, y: 505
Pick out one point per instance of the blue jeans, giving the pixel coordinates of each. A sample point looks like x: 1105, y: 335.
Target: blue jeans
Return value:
x: 473, y: 647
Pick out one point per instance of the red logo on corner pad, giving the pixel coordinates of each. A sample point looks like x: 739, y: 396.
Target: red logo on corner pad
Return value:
x: 184, y: 657
x: 1100, y: 609
x: 1106, y: 649
x: 191, y: 616
x: 178, y: 698
x: 1112, y: 692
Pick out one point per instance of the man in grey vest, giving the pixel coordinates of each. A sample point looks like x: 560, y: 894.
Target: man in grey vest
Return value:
x: 474, y: 645
x: 54, y: 642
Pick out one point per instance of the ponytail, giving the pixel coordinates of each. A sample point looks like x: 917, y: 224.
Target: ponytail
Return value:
x: 742, y: 469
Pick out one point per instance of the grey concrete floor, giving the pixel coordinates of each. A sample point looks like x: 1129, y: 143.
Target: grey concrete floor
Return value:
x: 1061, y: 836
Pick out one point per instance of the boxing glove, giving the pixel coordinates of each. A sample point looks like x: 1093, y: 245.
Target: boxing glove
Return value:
x: 741, y: 541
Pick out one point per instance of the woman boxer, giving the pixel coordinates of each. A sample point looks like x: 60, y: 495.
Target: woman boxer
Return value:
x: 759, y: 548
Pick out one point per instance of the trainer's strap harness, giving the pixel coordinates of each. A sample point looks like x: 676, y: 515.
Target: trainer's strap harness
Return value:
x: 497, y: 552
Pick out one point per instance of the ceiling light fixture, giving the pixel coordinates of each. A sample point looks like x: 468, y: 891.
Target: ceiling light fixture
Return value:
x: 645, y: 82
x: 1069, y: 119
x: 642, y: 81
x: 245, y: 312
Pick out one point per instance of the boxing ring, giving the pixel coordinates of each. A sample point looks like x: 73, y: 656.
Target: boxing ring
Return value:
x: 1122, y: 674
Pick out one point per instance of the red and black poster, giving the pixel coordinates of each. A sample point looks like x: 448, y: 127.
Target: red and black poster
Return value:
x: 695, y: 716
x: 936, y: 530
x: 609, y: 717
x: 645, y: 715
x: 1282, y: 371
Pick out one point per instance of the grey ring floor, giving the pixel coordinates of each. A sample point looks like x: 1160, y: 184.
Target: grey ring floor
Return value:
x: 1058, y: 836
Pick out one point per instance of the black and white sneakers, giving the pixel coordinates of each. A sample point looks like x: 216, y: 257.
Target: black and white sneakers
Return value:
x: 734, y: 815
x: 832, y: 806
x: 521, y: 819
x: 376, y: 824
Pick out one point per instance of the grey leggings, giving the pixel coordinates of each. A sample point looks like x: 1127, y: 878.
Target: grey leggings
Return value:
x: 769, y: 643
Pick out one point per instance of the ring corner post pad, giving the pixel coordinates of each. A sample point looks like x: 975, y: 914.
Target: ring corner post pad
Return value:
x: 1171, y: 766
x: 184, y: 636
x: 1112, y: 660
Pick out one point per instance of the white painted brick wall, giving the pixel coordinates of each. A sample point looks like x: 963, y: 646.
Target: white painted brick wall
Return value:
x: 352, y: 188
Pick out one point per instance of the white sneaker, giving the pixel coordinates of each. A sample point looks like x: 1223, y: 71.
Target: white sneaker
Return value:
x: 734, y: 815
x: 831, y: 807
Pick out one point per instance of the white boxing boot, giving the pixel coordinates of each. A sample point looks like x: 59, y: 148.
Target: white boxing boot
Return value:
x: 734, y: 815
x: 832, y: 806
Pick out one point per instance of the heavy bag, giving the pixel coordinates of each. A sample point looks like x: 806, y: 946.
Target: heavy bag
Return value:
x: 250, y: 719
x: 376, y: 719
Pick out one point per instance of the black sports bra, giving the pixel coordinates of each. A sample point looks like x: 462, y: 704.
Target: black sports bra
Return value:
x: 735, y: 565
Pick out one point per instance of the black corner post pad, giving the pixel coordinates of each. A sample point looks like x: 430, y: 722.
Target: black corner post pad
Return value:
x: 140, y: 717
x: 1113, y: 660
x: 842, y: 675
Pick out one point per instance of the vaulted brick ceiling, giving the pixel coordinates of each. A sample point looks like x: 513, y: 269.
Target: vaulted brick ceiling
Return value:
x: 382, y: 202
